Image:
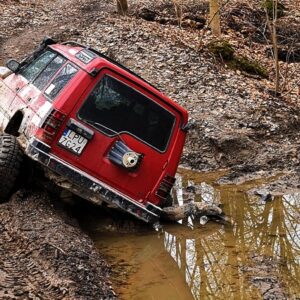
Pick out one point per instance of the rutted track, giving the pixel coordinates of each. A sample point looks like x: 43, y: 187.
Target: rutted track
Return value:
x: 44, y: 254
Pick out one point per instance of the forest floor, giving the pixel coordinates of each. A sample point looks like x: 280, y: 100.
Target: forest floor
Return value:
x: 239, y: 124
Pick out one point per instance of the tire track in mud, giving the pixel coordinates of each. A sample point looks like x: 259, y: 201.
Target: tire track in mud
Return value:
x: 60, y: 20
x: 44, y: 254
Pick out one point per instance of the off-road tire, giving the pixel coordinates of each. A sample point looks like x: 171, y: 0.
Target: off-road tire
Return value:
x: 11, y: 158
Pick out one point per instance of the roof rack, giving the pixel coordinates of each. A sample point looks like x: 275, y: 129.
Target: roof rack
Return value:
x: 100, y: 54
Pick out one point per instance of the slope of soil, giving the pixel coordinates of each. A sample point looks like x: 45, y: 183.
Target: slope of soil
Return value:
x: 44, y: 254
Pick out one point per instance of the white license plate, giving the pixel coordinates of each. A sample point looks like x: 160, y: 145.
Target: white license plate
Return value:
x: 72, y: 141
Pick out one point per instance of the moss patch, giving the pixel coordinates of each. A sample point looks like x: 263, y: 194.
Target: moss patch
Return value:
x: 249, y: 66
x: 221, y: 49
x: 224, y: 50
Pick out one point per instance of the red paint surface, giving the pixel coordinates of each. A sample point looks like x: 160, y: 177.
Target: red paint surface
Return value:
x: 140, y: 185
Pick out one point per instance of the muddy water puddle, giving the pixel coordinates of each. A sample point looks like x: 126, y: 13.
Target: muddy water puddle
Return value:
x: 256, y: 257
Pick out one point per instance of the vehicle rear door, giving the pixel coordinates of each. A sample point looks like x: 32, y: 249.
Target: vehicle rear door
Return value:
x: 114, y: 113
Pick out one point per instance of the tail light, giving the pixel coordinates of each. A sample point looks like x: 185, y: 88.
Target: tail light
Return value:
x: 165, y: 187
x: 51, y: 125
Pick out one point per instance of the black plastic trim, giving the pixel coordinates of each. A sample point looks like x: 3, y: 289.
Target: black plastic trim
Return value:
x: 80, y: 129
x: 90, y: 184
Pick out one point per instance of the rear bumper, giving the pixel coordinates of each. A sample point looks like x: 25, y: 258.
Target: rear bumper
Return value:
x: 89, y: 185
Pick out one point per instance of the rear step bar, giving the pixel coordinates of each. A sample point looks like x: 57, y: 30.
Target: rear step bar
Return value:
x: 92, y: 189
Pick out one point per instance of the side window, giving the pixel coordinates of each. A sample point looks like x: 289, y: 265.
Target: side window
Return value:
x: 34, y: 68
x: 60, y: 81
x: 43, y: 79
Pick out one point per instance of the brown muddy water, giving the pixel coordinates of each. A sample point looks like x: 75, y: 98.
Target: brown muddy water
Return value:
x: 211, y: 261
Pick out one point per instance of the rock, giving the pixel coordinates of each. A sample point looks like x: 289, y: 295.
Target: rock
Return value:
x: 203, y: 220
x: 265, y: 195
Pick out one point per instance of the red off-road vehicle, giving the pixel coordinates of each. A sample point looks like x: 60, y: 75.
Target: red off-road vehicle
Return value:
x: 98, y: 129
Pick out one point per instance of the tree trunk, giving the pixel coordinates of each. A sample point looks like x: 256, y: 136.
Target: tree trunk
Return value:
x: 273, y: 31
x: 122, y: 7
x: 275, y: 46
x: 214, y: 17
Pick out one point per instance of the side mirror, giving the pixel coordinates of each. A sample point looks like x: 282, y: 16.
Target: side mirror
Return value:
x: 13, y: 65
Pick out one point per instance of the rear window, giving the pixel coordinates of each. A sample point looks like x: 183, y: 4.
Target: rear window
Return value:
x: 114, y: 107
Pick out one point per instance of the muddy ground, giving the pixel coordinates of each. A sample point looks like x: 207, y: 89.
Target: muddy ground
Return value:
x: 45, y: 254
x: 239, y: 124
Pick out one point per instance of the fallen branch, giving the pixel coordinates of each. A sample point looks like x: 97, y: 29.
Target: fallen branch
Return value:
x: 196, y: 209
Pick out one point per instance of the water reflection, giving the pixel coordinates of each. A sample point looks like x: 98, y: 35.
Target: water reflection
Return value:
x: 208, y: 262
x: 211, y: 264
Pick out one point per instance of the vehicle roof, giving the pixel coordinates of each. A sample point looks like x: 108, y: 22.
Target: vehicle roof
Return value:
x: 71, y: 49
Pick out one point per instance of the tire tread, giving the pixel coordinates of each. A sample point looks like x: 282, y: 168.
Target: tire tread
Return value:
x: 11, y: 158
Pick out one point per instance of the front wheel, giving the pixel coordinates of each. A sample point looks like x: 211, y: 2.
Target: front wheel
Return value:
x: 11, y: 158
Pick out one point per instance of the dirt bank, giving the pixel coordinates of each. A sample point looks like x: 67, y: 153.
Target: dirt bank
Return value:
x: 45, y: 255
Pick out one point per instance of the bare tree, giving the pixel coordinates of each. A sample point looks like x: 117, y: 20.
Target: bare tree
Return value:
x: 178, y: 11
x: 273, y: 31
x: 122, y: 6
x: 214, y: 17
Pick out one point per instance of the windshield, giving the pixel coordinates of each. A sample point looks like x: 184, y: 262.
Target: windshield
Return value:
x: 113, y: 108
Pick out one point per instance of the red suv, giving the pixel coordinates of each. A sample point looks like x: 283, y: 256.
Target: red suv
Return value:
x: 98, y: 129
